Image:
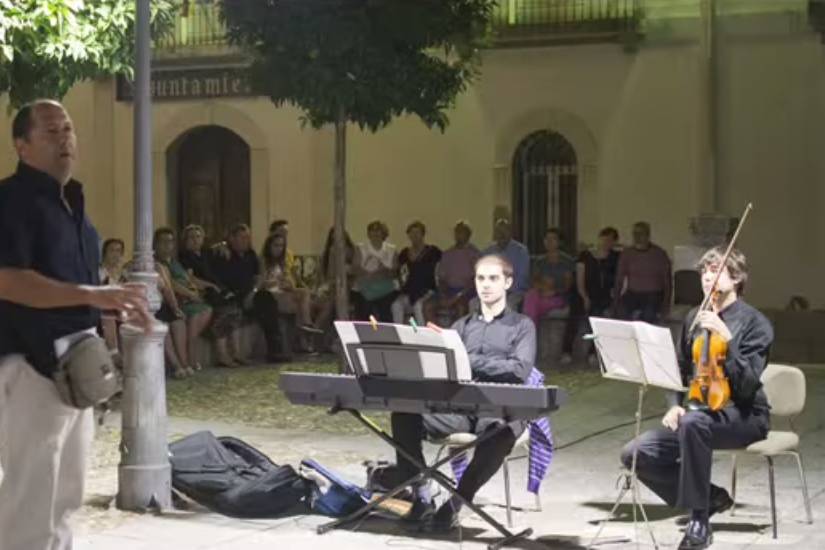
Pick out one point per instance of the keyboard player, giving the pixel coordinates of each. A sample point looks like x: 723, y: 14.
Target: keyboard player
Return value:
x: 501, y: 345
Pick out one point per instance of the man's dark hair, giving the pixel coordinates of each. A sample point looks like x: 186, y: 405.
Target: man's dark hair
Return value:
x: 737, y: 265
x: 465, y: 225
x: 417, y: 224
x: 553, y: 231
x: 23, y: 121
x: 609, y: 231
x: 110, y: 242
x: 378, y: 225
x: 644, y: 226
x: 160, y: 232
x: 276, y: 225
x: 237, y: 228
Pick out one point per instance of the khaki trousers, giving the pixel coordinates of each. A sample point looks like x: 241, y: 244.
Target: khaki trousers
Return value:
x: 43, y: 449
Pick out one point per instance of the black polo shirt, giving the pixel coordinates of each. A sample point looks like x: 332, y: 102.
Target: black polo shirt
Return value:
x: 39, y: 232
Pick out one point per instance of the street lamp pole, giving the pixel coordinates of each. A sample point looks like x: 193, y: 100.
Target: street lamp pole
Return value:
x: 144, y: 473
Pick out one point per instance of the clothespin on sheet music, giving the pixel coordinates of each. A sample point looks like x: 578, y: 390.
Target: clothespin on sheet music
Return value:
x: 413, y: 324
x: 374, y: 323
x: 434, y: 327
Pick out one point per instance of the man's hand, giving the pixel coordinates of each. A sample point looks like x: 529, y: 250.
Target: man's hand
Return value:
x: 222, y: 250
x: 671, y: 418
x: 129, y: 299
x: 711, y: 321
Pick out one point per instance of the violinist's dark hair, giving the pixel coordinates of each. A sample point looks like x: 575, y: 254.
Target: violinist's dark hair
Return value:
x: 737, y: 265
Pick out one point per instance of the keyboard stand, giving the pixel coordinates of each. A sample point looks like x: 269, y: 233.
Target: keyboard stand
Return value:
x: 426, y: 472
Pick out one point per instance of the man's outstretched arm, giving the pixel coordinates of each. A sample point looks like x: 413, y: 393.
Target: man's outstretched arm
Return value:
x: 29, y: 288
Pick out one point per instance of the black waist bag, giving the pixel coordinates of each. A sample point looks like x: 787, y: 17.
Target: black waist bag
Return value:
x: 230, y: 477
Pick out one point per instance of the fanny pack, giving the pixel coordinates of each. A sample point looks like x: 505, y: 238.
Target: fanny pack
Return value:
x: 86, y: 375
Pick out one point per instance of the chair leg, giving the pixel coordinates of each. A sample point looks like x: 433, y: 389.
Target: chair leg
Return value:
x: 506, y: 471
x: 804, y: 487
x: 733, y: 482
x: 772, y: 487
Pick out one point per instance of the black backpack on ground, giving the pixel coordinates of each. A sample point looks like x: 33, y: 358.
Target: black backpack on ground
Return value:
x: 229, y: 476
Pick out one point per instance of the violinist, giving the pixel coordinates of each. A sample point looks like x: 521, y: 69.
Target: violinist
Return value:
x: 674, y: 461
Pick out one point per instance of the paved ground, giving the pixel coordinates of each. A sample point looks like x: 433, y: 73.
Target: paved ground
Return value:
x: 579, y: 490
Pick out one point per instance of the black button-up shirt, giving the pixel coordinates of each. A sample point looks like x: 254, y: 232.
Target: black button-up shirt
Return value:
x: 38, y: 231
x: 502, y: 350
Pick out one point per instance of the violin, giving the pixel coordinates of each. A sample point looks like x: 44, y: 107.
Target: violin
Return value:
x: 710, y: 388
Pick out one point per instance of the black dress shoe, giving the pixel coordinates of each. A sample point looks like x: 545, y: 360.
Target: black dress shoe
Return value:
x: 698, y: 536
x: 421, y: 510
x: 444, y: 520
x: 720, y: 500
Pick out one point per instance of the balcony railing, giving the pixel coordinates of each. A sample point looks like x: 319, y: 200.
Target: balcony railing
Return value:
x: 522, y: 22
x: 198, y: 27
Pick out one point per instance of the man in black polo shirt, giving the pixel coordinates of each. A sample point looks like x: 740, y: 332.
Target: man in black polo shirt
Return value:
x: 49, y: 261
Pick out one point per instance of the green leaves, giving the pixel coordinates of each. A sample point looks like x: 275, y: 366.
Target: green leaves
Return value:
x: 376, y: 59
x: 46, y: 46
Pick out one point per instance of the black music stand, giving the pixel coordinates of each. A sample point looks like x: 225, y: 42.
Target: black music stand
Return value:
x: 642, y: 354
x: 382, y: 351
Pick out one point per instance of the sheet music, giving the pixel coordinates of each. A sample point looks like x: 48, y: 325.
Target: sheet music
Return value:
x: 635, y: 351
x: 430, y: 363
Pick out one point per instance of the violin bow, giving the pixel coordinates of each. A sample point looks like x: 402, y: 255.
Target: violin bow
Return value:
x: 709, y: 296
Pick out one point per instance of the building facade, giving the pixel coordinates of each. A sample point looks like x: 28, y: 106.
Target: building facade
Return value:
x: 587, y: 113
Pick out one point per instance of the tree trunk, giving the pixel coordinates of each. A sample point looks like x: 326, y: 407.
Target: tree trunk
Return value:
x: 341, y: 283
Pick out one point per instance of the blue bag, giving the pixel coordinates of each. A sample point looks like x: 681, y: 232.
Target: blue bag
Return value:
x: 330, y: 494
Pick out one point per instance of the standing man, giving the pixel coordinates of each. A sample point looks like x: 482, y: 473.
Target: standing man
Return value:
x: 501, y: 345
x: 518, y: 256
x: 49, y: 263
x: 675, y: 460
x: 643, y: 279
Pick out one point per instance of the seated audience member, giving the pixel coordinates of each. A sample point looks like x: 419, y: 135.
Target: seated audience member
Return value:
x: 416, y: 266
x: 280, y: 283
x: 281, y: 227
x: 111, y: 273
x: 455, y: 275
x: 643, y: 279
x: 226, y: 318
x: 239, y: 271
x: 595, y: 282
x: 197, y: 312
x: 376, y: 268
x: 325, y: 294
x: 501, y: 345
x: 175, y: 348
x: 553, y: 281
x: 518, y: 256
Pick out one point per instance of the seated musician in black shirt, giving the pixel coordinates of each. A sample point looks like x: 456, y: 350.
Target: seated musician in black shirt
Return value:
x: 675, y: 461
x: 501, y: 345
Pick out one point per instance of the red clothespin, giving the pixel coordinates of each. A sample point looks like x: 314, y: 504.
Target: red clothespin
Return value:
x: 434, y: 327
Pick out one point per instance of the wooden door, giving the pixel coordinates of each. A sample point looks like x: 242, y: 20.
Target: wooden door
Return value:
x: 213, y: 180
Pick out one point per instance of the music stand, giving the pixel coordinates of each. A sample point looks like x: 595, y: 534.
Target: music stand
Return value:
x: 643, y: 354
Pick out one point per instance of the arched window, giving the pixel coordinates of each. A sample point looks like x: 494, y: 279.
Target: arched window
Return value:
x: 544, y: 190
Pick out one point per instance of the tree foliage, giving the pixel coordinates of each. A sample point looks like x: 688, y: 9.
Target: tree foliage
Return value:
x: 46, y: 46
x: 368, y: 60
